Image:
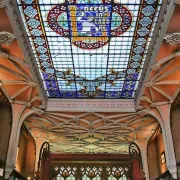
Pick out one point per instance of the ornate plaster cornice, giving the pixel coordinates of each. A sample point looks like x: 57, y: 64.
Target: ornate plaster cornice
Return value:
x: 6, y: 38
x: 86, y: 105
x: 19, y: 30
x: 173, y: 39
x: 160, y: 31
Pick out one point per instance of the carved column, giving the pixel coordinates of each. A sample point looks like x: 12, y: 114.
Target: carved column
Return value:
x: 19, y: 114
x: 143, y: 147
x: 39, y: 143
x: 164, y: 111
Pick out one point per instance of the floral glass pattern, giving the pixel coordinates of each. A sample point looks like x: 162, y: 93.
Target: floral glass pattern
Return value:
x: 90, y: 48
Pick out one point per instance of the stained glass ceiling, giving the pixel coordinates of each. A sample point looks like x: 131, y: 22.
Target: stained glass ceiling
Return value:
x: 90, y: 48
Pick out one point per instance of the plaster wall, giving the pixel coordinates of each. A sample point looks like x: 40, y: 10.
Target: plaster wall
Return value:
x: 160, y: 150
x: 21, y: 158
x: 175, y: 127
x: 155, y: 150
x: 26, y: 156
x: 30, y: 159
x: 5, y: 130
x: 152, y: 160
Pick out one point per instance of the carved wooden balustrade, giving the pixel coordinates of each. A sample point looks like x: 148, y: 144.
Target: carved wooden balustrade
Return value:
x: 103, y: 171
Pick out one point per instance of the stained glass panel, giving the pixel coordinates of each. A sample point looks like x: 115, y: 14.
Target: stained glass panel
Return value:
x: 90, y: 48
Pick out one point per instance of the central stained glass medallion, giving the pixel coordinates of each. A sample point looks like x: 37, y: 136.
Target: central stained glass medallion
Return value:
x: 89, y: 25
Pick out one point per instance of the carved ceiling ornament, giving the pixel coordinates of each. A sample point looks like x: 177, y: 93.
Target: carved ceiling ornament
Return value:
x: 177, y: 2
x: 177, y: 54
x: 96, y: 133
x: 2, y: 3
x: 173, y: 39
x: 6, y: 38
x: 155, y: 66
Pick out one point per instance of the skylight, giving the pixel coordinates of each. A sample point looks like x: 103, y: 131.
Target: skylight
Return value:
x: 90, y: 48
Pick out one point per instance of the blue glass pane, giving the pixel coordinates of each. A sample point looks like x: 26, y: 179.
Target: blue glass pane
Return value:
x: 90, y: 48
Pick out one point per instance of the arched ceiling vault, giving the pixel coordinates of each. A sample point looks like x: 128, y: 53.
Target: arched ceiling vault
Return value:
x: 91, y: 132
x: 73, y: 131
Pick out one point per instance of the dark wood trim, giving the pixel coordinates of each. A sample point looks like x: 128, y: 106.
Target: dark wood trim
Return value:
x: 164, y: 175
x: 16, y: 174
x: 90, y: 157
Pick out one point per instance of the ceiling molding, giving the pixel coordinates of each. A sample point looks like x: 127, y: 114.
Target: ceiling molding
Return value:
x: 92, y: 105
x: 161, y: 28
x: 21, y: 36
x: 91, y: 132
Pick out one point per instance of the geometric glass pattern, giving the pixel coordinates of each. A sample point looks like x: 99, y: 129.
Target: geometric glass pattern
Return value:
x: 90, y: 48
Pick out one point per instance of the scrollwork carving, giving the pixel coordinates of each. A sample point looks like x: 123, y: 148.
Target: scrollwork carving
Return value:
x: 6, y: 38
x: 173, y: 39
x: 177, y: 2
x: 2, y: 3
x: 43, y: 155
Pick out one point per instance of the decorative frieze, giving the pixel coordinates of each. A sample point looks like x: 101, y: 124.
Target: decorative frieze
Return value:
x: 91, y: 105
x: 161, y: 28
x: 6, y: 38
x: 20, y: 32
x: 173, y: 39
